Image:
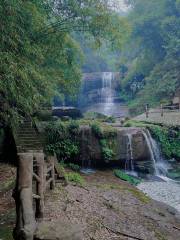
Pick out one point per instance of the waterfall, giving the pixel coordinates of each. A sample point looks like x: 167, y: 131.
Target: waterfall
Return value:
x: 107, y: 92
x: 129, y: 164
x: 87, y: 164
x: 159, y: 164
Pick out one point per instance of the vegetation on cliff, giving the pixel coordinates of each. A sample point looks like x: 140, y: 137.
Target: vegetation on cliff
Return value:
x: 167, y: 137
x: 150, y: 59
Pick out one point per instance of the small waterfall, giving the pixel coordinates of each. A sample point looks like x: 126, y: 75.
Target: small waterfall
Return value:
x: 87, y: 165
x: 129, y: 164
x: 159, y: 164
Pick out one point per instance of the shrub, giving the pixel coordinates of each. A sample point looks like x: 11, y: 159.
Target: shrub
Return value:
x: 59, y: 140
x: 106, y: 151
x: 75, y: 177
x: 110, y: 119
x: 96, y: 129
x: 125, y: 177
x: 73, y: 127
x: 74, y: 167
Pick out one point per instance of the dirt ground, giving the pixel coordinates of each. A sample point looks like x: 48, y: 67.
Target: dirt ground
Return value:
x: 7, y: 205
x: 107, y: 208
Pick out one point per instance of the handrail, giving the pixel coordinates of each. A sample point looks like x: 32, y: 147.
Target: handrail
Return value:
x: 163, y: 109
x: 32, y: 170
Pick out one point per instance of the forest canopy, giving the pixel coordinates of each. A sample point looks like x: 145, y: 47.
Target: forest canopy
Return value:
x: 150, y: 59
x: 39, y: 57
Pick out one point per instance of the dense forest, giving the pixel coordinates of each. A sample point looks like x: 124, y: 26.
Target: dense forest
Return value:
x: 150, y: 58
x: 40, y: 58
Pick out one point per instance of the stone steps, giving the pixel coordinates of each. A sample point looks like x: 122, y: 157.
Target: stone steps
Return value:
x: 27, y: 138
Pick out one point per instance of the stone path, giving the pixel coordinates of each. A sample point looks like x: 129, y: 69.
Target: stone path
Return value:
x: 169, y: 118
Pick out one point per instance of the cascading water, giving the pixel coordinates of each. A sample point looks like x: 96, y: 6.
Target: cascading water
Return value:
x: 87, y: 166
x: 129, y: 164
x: 107, y: 92
x: 159, y: 164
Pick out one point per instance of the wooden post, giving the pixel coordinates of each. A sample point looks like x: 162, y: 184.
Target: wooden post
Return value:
x: 25, y: 220
x: 147, y: 111
x: 40, y: 185
x: 162, y: 112
x: 51, y: 161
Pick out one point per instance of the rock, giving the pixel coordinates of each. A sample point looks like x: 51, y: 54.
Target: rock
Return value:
x: 71, y: 112
x: 58, y: 231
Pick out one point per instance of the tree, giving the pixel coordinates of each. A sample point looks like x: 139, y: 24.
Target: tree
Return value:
x: 153, y: 51
x: 39, y: 57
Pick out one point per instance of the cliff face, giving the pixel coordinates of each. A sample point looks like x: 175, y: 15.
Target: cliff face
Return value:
x: 127, y: 144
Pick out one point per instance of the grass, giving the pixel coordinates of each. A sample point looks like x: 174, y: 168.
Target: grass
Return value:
x: 139, y: 195
x: 7, y: 185
x: 6, y: 233
x: 123, y: 176
x: 75, y: 178
x: 6, y: 226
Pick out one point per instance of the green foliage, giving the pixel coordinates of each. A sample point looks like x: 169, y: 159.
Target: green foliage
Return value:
x: 168, y: 137
x: 151, y: 54
x: 104, y: 134
x: 74, y: 167
x: 6, y: 233
x: 60, y: 140
x: 125, y: 177
x: 96, y: 129
x: 75, y: 178
x: 110, y: 119
x: 39, y: 57
x: 106, y: 151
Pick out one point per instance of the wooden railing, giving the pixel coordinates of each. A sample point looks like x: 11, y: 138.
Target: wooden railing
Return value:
x: 162, y: 110
x: 34, y: 176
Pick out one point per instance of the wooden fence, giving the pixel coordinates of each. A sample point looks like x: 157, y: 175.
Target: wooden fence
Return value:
x: 162, y: 110
x: 35, y: 175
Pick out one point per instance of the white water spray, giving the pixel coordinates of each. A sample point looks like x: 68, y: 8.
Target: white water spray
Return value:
x: 159, y: 164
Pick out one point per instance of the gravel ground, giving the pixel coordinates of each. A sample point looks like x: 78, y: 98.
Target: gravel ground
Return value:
x: 169, y: 118
x: 167, y: 192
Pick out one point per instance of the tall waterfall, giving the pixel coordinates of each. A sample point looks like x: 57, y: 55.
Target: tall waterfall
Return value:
x: 107, y: 92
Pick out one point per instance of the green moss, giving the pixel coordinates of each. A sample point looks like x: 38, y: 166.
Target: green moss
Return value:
x: 139, y: 195
x: 125, y: 177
